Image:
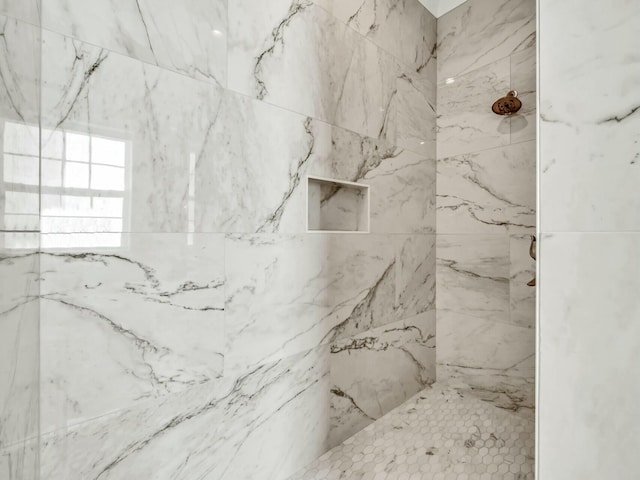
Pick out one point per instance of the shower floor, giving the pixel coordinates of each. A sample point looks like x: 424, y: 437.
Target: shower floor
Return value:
x: 442, y: 433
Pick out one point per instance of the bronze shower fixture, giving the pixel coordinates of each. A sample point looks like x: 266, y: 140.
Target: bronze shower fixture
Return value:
x: 507, y: 105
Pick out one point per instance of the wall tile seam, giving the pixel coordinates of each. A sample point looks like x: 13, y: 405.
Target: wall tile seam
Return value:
x: 226, y: 234
x: 401, y: 63
x: 21, y: 20
x: 442, y: 311
x: 19, y: 443
x: 516, y: 52
x: 71, y: 426
x: 533, y: 140
x: 229, y: 90
x: 533, y: 47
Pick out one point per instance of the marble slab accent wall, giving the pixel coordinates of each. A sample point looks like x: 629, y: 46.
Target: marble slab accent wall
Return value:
x: 486, y: 201
x: 183, y: 302
x: 589, y: 309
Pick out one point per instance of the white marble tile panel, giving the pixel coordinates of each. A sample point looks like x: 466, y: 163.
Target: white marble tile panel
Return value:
x: 264, y: 425
x: 589, y: 346
x: 492, y: 191
x: 246, y: 157
x: 522, y: 297
x: 297, y: 56
x: 404, y: 28
x: 473, y: 277
x: 20, y: 461
x: 496, y: 359
x: 466, y: 122
x: 415, y: 274
x: 287, y: 294
x: 378, y: 370
x: 25, y: 10
x: 402, y: 192
x: 19, y: 139
x: 523, y: 80
x: 19, y: 353
x: 590, y: 118
x: 480, y: 32
x: 415, y: 118
x: 128, y: 323
x: 189, y: 36
x: 147, y: 126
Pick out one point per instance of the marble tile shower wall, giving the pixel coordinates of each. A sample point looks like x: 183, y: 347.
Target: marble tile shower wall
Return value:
x: 19, y: 259
x: 486, y: 200
x: 590, y: 246
x: 190, y: 327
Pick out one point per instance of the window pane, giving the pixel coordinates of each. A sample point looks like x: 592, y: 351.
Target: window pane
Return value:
x: 82, y: 240
x: 23, y: 170
x: 21, y: 139
x: 52, y: 143
x: 107, y: 206
x: 51, y: 173
x: 111, y: 152
x: 107, y: 178
x: 81, y: 224
x: 77, y: 147
x: 21, y: 222
x: 21, y: 202
x: 76, y: 175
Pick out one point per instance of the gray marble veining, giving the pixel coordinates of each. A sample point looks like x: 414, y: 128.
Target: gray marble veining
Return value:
x: 149, y: 31
x: 480, y: 32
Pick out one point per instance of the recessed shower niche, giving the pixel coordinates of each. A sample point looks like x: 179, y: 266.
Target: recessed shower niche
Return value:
x: 337, y: 206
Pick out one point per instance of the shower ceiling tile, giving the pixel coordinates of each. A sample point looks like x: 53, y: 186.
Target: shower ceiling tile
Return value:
x: 465, y: 120
x: 188, y: 36
x: 306, y: 60
x: 492, y: 191
x: 128, y: 323
x: 481, y: 32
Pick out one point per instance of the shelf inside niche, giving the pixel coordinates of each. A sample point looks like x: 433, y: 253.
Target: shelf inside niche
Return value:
x: 337, y: 206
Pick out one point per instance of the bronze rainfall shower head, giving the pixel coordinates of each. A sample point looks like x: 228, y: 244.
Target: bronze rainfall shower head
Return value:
x: 507, y: 105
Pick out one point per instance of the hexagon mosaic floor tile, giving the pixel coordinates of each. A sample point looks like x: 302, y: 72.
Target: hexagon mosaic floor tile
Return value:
x: 442, y: 433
